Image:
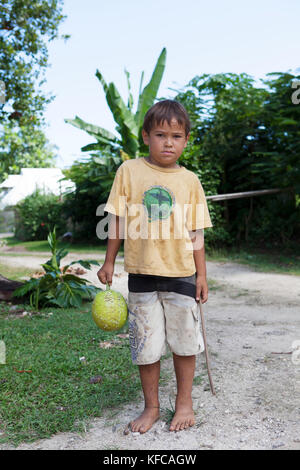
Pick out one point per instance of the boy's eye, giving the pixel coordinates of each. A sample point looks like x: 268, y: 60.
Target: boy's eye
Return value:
x: 177, y: 136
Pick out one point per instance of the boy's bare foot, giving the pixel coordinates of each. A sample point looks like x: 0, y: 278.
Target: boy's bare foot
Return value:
x: 146, y: 420
x: 184, y: 417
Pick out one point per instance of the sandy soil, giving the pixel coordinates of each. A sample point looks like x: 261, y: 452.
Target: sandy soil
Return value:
x: 253, y: 325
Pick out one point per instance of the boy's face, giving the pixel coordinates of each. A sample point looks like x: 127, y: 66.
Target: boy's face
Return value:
x: 166, y: 143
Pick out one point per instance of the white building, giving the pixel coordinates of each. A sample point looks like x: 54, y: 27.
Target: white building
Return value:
x: 17, y: 187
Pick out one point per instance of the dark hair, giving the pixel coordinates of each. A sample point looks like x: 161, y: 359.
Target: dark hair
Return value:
x: 166, y: 110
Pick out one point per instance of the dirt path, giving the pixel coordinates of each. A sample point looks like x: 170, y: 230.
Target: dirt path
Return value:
x: 249, y: 317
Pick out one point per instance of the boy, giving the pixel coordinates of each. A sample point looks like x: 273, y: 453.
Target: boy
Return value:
x: 164, y: 256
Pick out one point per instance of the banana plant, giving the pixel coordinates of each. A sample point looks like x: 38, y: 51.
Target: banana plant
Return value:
x: 129, y: 124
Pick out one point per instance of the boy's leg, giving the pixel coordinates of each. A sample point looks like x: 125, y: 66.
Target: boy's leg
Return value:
x: 149, y: 374
x: 185, y: 341
x: 147, y: 342
x: 184, y: 415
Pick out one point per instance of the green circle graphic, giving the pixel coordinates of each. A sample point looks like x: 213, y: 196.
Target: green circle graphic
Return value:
x: 158, y: 202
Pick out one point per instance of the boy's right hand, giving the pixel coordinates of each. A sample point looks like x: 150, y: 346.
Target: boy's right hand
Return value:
x: 105, y: 273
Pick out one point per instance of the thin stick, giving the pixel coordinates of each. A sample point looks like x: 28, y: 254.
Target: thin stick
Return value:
x: 288, y: 352
x: 206, y: 351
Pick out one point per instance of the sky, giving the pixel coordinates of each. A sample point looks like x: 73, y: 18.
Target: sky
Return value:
x: 216, y: 36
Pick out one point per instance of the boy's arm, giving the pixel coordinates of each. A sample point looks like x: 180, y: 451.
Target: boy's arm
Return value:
x: 197, y: 238
x: 115, y: 237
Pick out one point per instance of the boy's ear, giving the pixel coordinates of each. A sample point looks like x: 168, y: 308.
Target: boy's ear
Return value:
x: 186, y: 139
x: 145, y: 137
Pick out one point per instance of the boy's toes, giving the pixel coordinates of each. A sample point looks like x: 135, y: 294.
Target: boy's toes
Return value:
x: 132, y: 427
x: 178, y: 426
x: 172, y: 427
x: 180, y: 422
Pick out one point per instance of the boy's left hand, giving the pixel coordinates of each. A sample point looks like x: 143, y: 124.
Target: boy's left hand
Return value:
x: 201, y: 289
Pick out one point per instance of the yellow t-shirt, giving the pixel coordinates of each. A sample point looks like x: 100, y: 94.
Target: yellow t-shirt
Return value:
x: 159, y: 206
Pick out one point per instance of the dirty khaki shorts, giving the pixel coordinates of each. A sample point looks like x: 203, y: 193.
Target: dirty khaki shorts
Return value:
x: 158, y: 319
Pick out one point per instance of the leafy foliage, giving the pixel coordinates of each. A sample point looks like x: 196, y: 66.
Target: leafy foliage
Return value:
x: 36, y: 214
x: 278, y: 150
x: 244, y: 138
x: 24, y: 147
x: 93, y: 178
x: 129, y: 125
x: 26, y: 27
x: 58, y: 288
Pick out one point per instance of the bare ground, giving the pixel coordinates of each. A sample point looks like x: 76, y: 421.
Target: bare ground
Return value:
x: 252, y: 323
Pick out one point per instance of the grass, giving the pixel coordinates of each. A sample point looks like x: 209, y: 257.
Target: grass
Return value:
x: 260, y: 260
x: 284, y: 262
x: 168, y: 413
x: 198, y: 380
x: 42, y: 246
x: 56, y: 395
x: 14, y: 273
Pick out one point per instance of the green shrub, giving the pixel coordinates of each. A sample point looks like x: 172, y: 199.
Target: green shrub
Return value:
x: 57, y: 287
x: 93, y: 178
x: 37, y: 214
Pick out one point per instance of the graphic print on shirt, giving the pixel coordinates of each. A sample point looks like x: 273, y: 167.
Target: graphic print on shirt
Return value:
x: 158, y: 200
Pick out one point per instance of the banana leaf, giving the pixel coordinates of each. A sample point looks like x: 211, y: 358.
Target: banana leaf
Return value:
x: 101, y: 134
x: 130, y: 143
x: 130, y: 97
x: 146, y: 99
x: 141, y: 83
x: 121, y: 113
x: 128, y: 124
x: 100, y: 160
x: 99, y: 146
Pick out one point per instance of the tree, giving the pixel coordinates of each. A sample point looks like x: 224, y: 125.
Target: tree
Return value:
x: 249, y: 136
x: 279, y: 157
x: 129, y: 125
x: 24, y: 147
x: 25, y: 28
